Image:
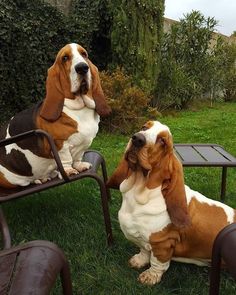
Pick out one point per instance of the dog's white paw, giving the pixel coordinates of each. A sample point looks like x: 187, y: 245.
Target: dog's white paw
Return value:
x: 139, y: 260
x: 82, y: 166
x: 37, y: 181
x: 42, y: 180
x: 150, y: 277
x: 71, y: 171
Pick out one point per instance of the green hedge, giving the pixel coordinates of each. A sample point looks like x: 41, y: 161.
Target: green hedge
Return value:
x: 31, y: 34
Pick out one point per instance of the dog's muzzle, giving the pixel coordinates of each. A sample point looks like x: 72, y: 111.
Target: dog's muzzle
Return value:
x: 84, y: 86
x: 138, y: 141
x: 82, y: 69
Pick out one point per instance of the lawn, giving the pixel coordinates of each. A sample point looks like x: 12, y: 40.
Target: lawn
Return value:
x: 71, y: 215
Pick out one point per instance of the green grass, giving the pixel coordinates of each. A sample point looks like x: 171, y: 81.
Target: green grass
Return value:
x: 71, y: 215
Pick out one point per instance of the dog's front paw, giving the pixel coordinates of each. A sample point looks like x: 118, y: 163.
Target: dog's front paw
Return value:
x: 139, y: 260
x: 42, y: 180
x: 70, y: 171
x: 82, y: 166
x: 150, y: 277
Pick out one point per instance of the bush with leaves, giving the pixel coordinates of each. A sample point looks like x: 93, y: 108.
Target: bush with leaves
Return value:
x: 229, y: 84
x: 176, y: 87
x: 188, y: 63
x: 129, y: 103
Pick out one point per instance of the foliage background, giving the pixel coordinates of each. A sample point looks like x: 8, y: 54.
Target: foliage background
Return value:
x: 170, y: 70
x: 32, y: 32
x: 195, y: 63
x: 136, y: 38
x: 130, y: 104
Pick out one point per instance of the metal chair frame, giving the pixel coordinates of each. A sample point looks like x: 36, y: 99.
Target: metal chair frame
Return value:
x: 93, y: 157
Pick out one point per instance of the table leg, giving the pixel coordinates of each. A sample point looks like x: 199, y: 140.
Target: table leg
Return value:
x: 223, y: 183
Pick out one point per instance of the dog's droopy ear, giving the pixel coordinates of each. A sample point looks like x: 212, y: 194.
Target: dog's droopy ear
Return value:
x: 119, y: 175
x: 173, y: 190
x: 102, y: 108
x: 57, y: 89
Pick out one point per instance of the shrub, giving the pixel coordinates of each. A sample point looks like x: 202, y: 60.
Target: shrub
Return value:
x: 188, y: 62
x: 178, y: 88
x: 230, y: 72
x: 129, y: 103
x: 230, y: 86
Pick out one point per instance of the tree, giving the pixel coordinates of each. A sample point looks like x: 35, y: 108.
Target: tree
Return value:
x: 135, y: 38
x: 186, y: 61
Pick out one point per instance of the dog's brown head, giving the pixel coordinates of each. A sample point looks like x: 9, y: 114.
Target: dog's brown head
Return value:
x: 151, y: 151
x: 71, y: 75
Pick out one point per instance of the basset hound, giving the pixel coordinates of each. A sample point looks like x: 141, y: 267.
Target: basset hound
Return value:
x: 166, y: 219
x: 70, y: 113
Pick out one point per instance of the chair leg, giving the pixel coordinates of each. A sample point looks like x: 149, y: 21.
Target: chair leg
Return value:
x: 215, y: 271
x: 105, y: 208
x: 66, y: 279
x: 104, y: 174
x: 223, y: 183
x: 5, y: 231
x: 218, y: 245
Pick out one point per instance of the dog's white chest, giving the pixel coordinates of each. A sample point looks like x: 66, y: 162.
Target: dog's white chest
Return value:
x: 138, y: 219
x: 87, y: 120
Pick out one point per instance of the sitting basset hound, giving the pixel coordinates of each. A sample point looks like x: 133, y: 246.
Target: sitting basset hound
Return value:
x: 70, y: 113
x: 165, y: 218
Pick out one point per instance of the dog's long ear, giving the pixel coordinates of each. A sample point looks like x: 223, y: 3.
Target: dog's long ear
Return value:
x: 167, y: 171
x: 173, y: 191
x: 159, y: 160
x: 119, y: 175
x: 102, y: 108
x: 57, y: 88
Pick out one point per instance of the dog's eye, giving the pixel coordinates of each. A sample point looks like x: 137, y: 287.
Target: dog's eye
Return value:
x: 161, y: 141
x: 144, y: 128
x: 65, y: 58
x: 84, y: 54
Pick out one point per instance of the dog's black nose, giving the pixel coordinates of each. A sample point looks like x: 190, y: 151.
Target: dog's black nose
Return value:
x: 138, y: 140
x: 81, y: 68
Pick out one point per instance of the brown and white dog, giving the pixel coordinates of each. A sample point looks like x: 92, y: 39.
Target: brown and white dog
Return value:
x: 70, y: 113
x: 162, y: 216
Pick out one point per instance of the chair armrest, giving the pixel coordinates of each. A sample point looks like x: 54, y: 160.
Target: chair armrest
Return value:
x: 95, y: 158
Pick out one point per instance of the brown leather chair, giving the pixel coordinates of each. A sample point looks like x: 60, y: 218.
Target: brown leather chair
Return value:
x: 224, y: 248
x: 31, y: 268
